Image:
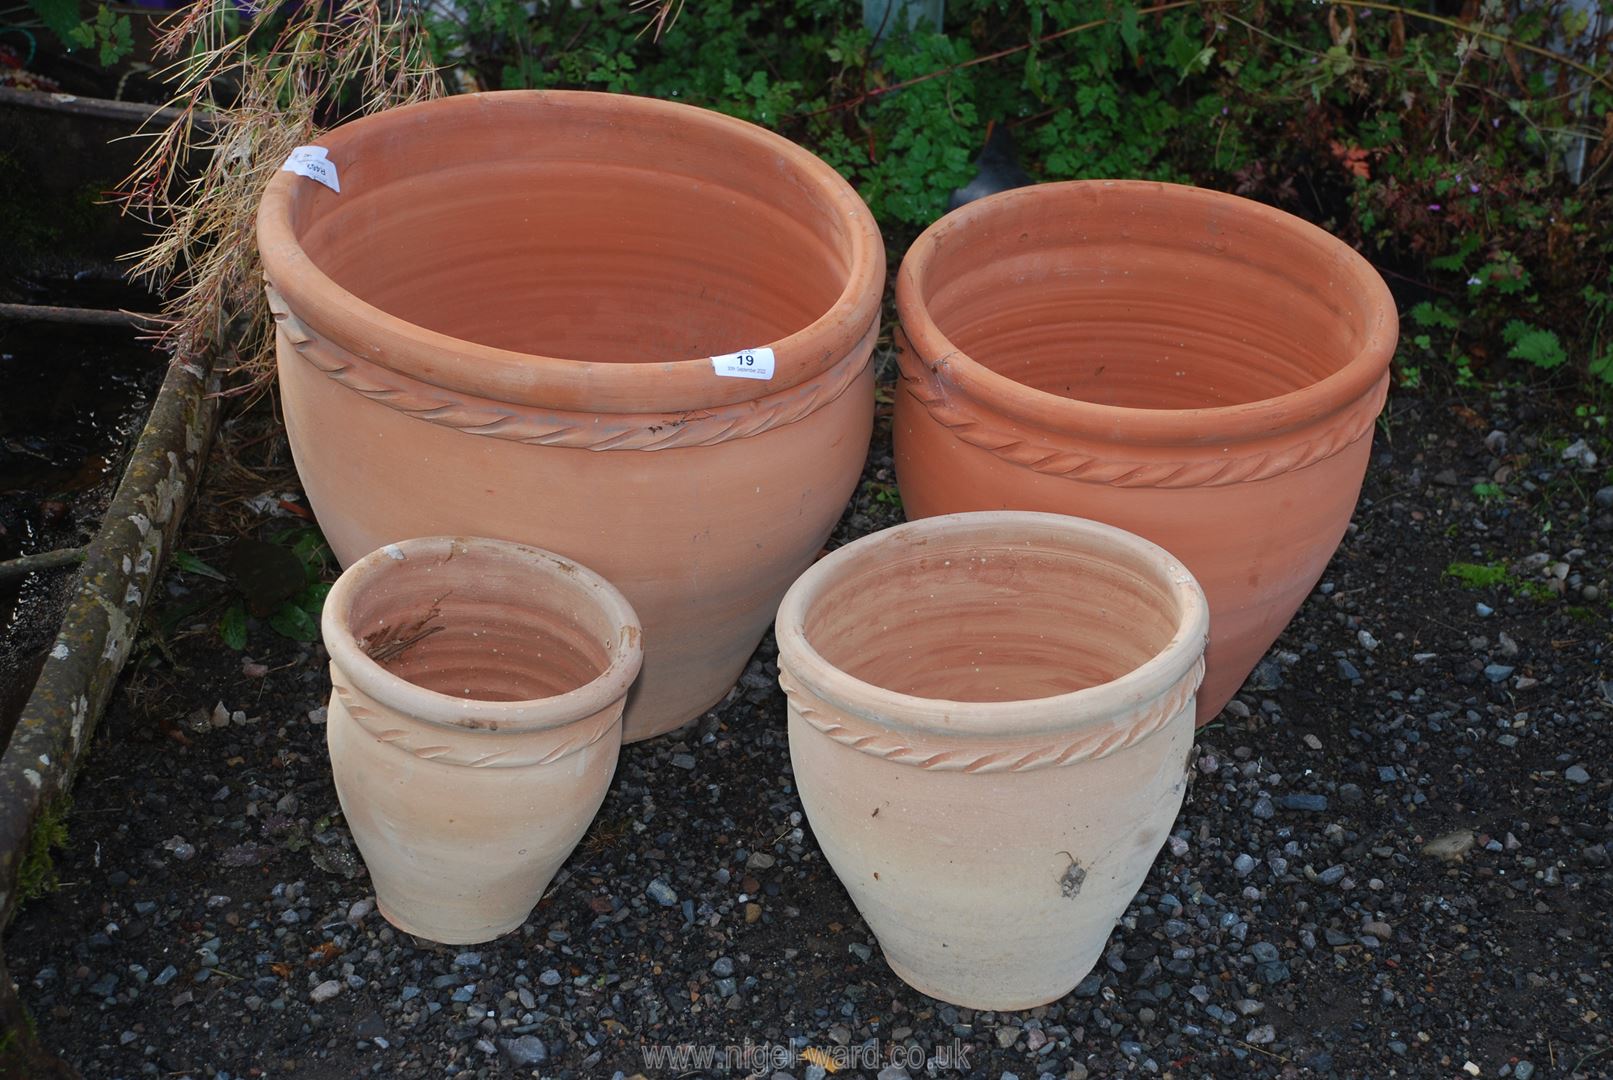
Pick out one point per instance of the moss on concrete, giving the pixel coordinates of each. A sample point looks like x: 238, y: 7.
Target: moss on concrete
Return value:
x: 37, y: 875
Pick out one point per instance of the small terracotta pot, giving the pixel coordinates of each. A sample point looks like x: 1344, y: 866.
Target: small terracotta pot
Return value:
x: 474, y: 723
x: 990, y: 717
x: 1194, y: 367
x: 505, y: 322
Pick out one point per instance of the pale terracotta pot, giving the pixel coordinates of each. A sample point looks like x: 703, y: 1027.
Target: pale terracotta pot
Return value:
x: 474, y: 723
x: 503, y: 325
x: 1194, y: 367
x: 990, y: 717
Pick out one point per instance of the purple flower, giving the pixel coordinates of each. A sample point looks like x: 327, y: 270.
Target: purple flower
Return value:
x: 1434, y: 206
x: 1472, y: 189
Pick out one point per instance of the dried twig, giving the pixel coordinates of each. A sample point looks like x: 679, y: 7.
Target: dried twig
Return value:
x: 662, y: 19
x: 390, y: 642
x: 199, y: 184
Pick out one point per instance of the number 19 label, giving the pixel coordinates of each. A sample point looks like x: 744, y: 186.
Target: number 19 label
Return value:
x: 746, y: 364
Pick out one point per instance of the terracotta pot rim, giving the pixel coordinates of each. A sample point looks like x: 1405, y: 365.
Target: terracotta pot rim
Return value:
x: 466, y: 714
x: 555, y: 382
x: 1175, y: 663
x: 1125, y: 424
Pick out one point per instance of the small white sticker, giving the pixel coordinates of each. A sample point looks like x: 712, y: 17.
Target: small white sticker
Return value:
x: 312, y: 162
x: 747, y: 364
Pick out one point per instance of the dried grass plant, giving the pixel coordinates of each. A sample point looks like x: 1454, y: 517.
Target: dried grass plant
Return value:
x: 249, y: 86
x: 660, y: 15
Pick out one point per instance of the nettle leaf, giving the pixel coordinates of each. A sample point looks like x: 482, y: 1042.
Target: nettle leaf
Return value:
x: 1540, y: 347
x: 1430, y: 315
x: 1505, y: 276
x: 1602, y: 366
x: 1457, y: 259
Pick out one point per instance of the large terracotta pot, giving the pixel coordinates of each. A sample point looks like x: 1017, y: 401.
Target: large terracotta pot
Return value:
x: 1191, y: 366
x: 474, y: 723
x: 504, y: 323
x: 990, y: 717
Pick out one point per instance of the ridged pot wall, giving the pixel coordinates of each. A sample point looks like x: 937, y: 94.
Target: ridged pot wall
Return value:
x: 1193, y: 367
x: 990, y: 716
x: 474, y: 724
x: 503, y: 324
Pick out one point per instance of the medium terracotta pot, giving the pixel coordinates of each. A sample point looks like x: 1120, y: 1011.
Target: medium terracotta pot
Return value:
x: 504, y: 324
x: 1194, y: 367
x: 474, y: 723
x: 990, y: 717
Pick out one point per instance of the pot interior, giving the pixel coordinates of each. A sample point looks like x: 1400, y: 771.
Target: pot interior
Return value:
x: 979, y: 621
x: 480, y: 626
x: 586, y: 232
x: 1147, y: 297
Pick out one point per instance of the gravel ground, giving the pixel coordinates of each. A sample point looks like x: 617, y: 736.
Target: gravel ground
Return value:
x: 1393, y: 860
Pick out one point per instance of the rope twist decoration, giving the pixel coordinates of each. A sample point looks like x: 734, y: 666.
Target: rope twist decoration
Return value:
x: 1083, y: 746
x: 587, y: 431
x: 453, y: 748
x: 988, y: 432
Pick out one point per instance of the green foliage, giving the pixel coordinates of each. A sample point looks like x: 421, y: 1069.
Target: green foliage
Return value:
x: 37, y: 873
x: 1434, y: 339
x: 1491, y: 575
x: 60, y: 16
x: 903, y: 121
x: 886, y: 494
x: 232, y: 626
x: 1477, y: 575
x: 297, y: 617
x: 1599, y: 305
x: 185, y: 562
x: 110, y: 34
x: 1433, y: 316
x: 1539, y: 347
x: 1437, y: 146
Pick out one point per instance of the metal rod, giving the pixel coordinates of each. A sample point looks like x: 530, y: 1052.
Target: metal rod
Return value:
x: 44, y: 560
x: 133, y: 112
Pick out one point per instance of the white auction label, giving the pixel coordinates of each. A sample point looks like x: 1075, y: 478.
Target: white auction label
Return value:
x: 746, y: 364
x: 312, y: 162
